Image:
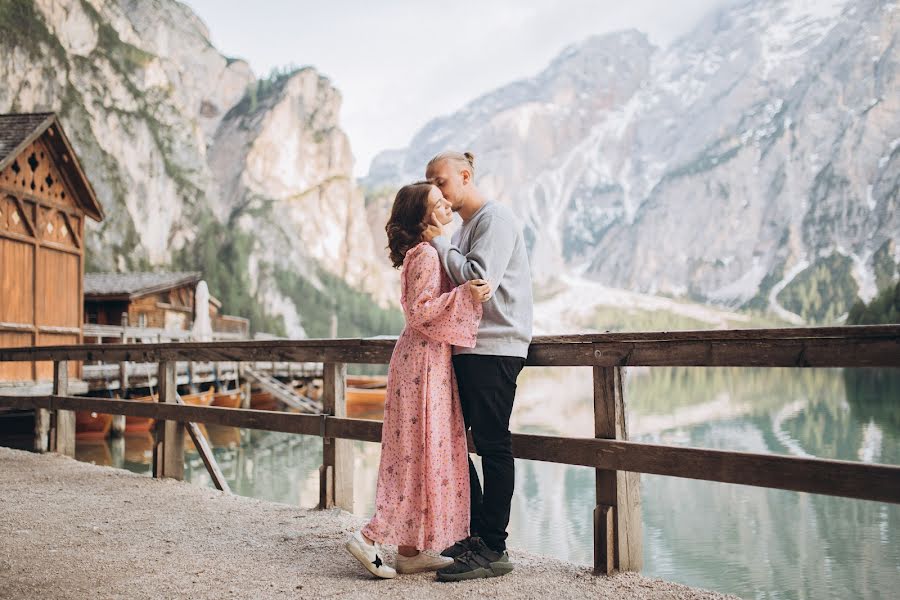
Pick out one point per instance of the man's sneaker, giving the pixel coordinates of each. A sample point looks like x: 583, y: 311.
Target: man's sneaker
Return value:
x: 457, y: 548
x: 477, y: 562
x: 370, y: 555
x: 421, y: 562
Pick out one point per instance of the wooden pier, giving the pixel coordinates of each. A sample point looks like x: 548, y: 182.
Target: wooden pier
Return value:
x: 618, y: 462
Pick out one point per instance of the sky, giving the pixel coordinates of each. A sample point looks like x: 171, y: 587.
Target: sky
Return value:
x: 399, y: 64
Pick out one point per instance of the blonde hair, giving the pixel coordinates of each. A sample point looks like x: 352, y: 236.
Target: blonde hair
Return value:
x: 464, y: 159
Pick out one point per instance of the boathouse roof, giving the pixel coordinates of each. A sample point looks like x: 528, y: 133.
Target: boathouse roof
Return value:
x: 127, y: 286
x: 17, y: 131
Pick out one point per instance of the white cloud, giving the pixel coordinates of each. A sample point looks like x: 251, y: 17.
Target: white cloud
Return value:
x: 399, y: 64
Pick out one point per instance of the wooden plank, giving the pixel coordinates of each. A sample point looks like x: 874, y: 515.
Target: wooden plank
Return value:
x: 337, y: 454
x: 168, y: 453
x: 818, y: 476
x: 617, y: 489
x: 876, y: 482
x: 857, y: 346
x: 354, y: 429
x: 604, y: 540
x: 248, y: 351
x: 41, y: 430
x: 25, y: 402
x: 825, y: 352
x: 202, y: 446
x: 864, y: 331
x: 118, y: 421
x: 247, y: 418
x: 64, y: 427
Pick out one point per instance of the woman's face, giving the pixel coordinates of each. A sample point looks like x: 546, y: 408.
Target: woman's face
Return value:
x: 439, y: 207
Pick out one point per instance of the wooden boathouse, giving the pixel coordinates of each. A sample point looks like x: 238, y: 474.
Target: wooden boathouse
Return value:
x: 45, y: 198
x: 162, y: 300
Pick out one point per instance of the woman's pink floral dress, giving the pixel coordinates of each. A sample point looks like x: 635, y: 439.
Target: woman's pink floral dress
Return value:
x: 422, y: 498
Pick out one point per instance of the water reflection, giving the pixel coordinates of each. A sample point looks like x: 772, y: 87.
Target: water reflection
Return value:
x: 753, y: 542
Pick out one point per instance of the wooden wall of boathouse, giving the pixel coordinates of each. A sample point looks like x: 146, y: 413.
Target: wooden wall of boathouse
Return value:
x: 41, y: 241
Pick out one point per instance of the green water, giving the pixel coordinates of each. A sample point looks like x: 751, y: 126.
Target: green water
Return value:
x: 753, y: 542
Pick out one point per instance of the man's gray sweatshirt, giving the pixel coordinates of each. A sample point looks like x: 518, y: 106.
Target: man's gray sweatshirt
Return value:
x: 491, y: 246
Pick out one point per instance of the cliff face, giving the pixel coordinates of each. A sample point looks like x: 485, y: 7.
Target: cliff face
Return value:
x: 195, y: 160
x: 754, y: 163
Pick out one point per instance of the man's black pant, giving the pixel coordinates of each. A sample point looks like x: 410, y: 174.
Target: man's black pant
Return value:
x: 487, y: 389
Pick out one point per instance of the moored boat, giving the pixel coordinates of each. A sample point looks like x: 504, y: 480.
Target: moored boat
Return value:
x: 362, y: 401
x: 92, y: 425
x: 229, y: 399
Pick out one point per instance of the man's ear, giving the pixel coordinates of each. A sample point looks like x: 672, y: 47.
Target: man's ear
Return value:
x: 466, y: 176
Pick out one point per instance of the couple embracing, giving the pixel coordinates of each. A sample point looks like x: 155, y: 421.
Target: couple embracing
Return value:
x: 468, y: 309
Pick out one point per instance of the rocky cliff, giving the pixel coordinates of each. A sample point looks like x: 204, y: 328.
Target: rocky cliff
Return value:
x: 754, y: 163
x: 199, y: 163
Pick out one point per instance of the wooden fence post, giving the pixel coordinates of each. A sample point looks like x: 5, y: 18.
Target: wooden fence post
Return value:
x: 118, y: 421
x: 617, y: 517
x: 64, y: 427
x: 168, y: 447
x: 336, y: 472
x: 41, y: 430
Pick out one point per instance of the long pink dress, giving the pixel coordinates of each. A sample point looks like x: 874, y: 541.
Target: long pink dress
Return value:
x: 422, y: 499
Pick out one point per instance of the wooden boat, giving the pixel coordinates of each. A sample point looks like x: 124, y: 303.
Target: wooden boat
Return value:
x: 264, y: 401
x: 201, y: 399
x: 366, y: 381
x: 139, y: 424
x: 92, y: 425
x: 229, y: 399
x: 223, y: 436
x: 363, y: 401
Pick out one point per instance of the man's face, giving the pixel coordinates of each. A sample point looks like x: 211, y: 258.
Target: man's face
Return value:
x: 448, y: 177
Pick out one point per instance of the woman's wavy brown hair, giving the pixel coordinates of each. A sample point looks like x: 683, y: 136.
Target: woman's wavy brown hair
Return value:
x: 407, y: 222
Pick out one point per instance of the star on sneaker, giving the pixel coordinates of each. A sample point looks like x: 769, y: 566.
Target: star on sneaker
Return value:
x: 369, y: 555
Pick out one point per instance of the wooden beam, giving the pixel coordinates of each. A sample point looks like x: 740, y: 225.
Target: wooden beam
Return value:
x: 857, y: 346
x: 812, y: 352
x: 618, y: 490
x: 336, y: 472
x: 814, y: 475
x: 205, y: 452
x: 64, y: 428
x: 844, y: 331
x: 118, y: 421
x: 604, y: 540
x: 41, y: 429
x: 850, y: 479
x: 246, y: 418
x: 168, y: 448
x: 28, y: 222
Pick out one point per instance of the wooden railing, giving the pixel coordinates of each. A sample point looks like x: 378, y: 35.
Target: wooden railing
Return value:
x: 618, y: 462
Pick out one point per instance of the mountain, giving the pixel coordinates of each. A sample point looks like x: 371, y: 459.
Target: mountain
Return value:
x: 199, y: 164
x: 752, y: 164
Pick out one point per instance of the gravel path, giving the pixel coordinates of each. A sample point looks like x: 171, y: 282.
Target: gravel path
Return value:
x: 74, y: 530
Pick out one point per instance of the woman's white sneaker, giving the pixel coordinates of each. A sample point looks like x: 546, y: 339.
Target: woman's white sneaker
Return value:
x: 370, y: 555
x: 421, y: 562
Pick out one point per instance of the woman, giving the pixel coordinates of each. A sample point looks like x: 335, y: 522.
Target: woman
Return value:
x: 422, y: 499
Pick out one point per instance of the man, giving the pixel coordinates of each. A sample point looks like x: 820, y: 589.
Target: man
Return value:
x: 488, y: 246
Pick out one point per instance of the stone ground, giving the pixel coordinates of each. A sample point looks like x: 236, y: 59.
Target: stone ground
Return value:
x: 74, y: 530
